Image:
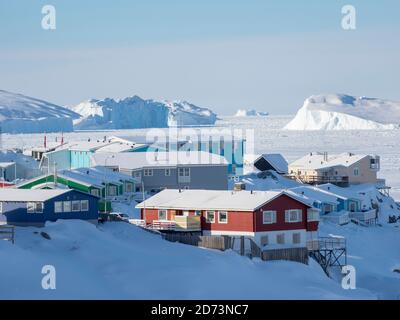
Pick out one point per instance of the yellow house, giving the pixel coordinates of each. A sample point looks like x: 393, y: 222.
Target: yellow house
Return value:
x: 343, y: 169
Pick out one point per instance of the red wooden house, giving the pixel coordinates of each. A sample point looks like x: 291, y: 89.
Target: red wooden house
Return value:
x: 271, y: 218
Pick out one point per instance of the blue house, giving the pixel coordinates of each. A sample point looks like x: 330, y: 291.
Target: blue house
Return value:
x: 27, y: 207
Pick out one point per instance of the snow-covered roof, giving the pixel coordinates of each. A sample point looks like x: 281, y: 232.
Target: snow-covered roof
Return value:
x: 4, y: 165
x: 317, y: 160
x: 24, y: 195
x: 137, y: 160
x: 344, y: 193
x: 276, y: 160
x: 316, y: 194
x: 213, y: 199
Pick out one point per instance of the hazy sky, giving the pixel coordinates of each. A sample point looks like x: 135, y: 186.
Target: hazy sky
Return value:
x: 223, y: 54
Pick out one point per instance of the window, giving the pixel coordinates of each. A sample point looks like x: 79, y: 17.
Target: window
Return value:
x: 76, y: 206
x: 167, y: 172
x: 30, y: 207
x: 269, y: 217
x: 162, y: 214
x: 210, y: 217
x: 222, y: 217
x: 293, y: 215
x: 280, y: 238
x: 1, y: 207
x: 84, y: 205
x: 95, y: 192
x: 128, y: 187
x: 184, y: 172
x: 312, y: 215
x: 58, y: 206
x: 197, y: 213
x: 67, y: 206
x: 148, y: 172
x: 264, y: 240
x: 296, y: 238
x: 356, y: 171
x: 112, y: 191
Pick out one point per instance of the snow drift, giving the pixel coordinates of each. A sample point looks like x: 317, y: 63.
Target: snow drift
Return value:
x: 250, y: 113
x: 135, y: 112
x: 344, y: 112
x: 23, y: 114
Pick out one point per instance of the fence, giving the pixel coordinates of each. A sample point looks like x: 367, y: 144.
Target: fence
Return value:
x: 7, y: 233
x: 211, y: 242
x: 289, y: 254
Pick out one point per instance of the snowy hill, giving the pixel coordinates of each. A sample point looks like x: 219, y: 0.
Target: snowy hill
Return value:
x: 344, y: 112
x: 135, y: 112
x: 23, y: 114
x: 250, y: 113
x: 117, y: 260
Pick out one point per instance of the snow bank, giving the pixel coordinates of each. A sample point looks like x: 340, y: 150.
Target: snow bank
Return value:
x: 120, y: 261
x: 23, y: 114
x: 344, y: 112
x: 250, y: 113
x: 135, y: 112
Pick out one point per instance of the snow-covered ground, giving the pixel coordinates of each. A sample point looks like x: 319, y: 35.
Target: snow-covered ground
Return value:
x: 344, y: 112
x: 120, y: 261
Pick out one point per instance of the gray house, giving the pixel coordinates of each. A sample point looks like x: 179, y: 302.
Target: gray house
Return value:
x: 169, y: 170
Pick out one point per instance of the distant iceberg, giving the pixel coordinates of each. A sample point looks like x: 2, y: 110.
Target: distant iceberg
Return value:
x: 250, y: 113
x: 135, y: 112
x: 345, y: 112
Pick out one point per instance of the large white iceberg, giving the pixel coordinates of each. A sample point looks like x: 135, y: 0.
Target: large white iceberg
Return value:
x: 135, y: 112
x: 345, y: 112
x: 23, y: 114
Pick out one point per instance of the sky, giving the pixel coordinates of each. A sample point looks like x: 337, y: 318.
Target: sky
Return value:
x: 221, y: 54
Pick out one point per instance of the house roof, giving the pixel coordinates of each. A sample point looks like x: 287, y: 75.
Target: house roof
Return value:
x: 137, y: 160
x: 319, y: 161
x: 214, y: 199
x: 317, y: 194
x: 6, y: 164
x: 344, y: 193
x: 25, y: 195
x: 276, y: 160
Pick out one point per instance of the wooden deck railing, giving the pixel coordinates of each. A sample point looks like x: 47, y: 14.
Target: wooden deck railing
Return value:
x: 326, y: 243
x: 7, y: 233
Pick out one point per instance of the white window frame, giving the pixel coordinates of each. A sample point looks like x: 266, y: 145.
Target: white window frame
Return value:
x: 86, y: 202
x: 30, y: 207
x: 36, y: 207
x: 147, y: 172
x: 356, y: 169
x: 207, y: 217
x: 272, y: 214
x: 219, y: 217
x: 60, y: 208
x: 75, y: 202
x: 95, y: 192
x: 70, y: 206
x: 288, y: 217
x: 166, y: 214
x: 167, y: 172
x: 184, y: 172
x: 312, y: 215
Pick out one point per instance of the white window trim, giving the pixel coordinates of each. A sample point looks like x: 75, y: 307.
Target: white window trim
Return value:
x: 312, y: 215
x: 72, y: 205
x: 356, y: 169
x: 167, y: 171
x: 184, y: 170
x: 87, y: 208
x: 95, y: 192
x: 32, y: 205
x: 273, y: 216
x: 61, y: 207
x: 36, y: 207
x: 219, y: 217
x: 299, y: 216
x: 208, y: 220
x: 166, y: 214
x: 147, y: 172
x: 114, y: 193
